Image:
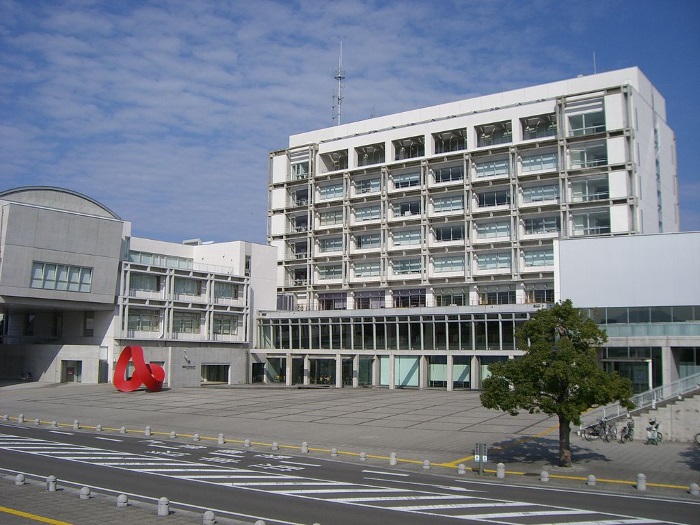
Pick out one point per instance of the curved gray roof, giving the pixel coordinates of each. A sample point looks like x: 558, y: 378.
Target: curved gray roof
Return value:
x: 58, y: 198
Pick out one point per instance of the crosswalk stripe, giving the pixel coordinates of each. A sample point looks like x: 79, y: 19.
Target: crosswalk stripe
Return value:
x: 525, y: 514
x: 393, y: 498
x: 491, y: 504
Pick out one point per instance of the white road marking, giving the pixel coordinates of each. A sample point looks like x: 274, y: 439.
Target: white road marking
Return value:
x: 302, y: 464
x: 397, y: 474
x: 110, y: 439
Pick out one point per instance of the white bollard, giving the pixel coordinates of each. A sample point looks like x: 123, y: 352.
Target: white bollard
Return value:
x: 147, y: 431
x: 163, y: 507
x: 195, y: 437
x: 85, y: 493
x: 76, y: 424
x: 209, y: 518
x: 641, y: 482
x: 260, y: 522
x: 51, y: 484
x: 20, y: 418
x: 500, y: 471
x: 221, y: 439
x: 275, y: 446
x: 122, y: 501
x: 694, y: 489
x: 122, y: 430
x: 426, y: 464
x: 246, y: 443
x: 304, y: 447
x: 37, y: 422
x: 392, y: 458
x: 173, y: 434
x: 591, y: 481
x: 363, y: 456
x: 334, y: 452
x: 461, y: 468
x: 544, y: 476
x: 19, y: 479
x: 54, y: 424
x: 98, y: 428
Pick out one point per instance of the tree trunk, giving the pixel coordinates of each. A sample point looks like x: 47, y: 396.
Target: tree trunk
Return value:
x: 564, y: 442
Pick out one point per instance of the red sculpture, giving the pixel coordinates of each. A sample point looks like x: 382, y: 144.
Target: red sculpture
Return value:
x: 149, y: 374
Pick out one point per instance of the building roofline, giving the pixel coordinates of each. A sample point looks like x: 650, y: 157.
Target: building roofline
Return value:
x: 7, y: 193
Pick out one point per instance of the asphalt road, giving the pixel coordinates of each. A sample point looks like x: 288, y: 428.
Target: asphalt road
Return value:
x: 288, y: 488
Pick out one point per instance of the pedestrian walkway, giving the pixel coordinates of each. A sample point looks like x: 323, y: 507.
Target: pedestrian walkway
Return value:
x: 418, y: 425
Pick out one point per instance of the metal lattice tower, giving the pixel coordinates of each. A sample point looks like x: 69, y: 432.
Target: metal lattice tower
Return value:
x: 338, y: 94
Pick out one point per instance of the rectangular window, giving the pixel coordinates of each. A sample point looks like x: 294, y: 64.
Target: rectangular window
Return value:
x: 407, y: 266
x: 367, y: 269
x: 590, y: 190
x: 61, y: 277
x: 540, y: 295
x: 585, y: 117
x: 367, y: 241
x: 406, y: 237
x: 331, y: 191
x: 187, y: 286
x: 492, y: 230
x: 449, y: 203
x: 372, y: 154
x: 368, y: 213
x: 488, y: 199
x: 451, y: 297
x: 494, y: 261
x: 186, y: 323
x: 406, y: 180
x: 300, y: 224
x: 592, y: 223
x: 454, y: 232
x: 588, y: 155
x: 540, y: 162
x: 367, y: 185
x: 494, y: 296
x: 333, y: 271
x: 332, y: 244
x: 406, y: 209
x: 542, y: 225
x: 225, y: 291
x: 539, y: 127
x: 448, y: 174
x: 143, y: 282
x: 371, y: 299
x: 88, y: 324
x: 447, y: 141
x: 225, y: 325
x: 300, y: 170
x: 408, y: 148
x: 549, y: 192
x: 493, y: 134
x: 331, y: 218
x: 409, y: 298
x: 449, y: 264
x: 539, y: 257
x: 492, y: 168
x: 143, y: 320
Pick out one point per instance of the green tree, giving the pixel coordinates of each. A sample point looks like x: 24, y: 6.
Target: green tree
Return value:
x: 558, y: 373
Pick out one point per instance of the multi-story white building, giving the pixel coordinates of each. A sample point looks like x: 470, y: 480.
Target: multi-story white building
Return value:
x: 76, y: 287
x: 410, y: 246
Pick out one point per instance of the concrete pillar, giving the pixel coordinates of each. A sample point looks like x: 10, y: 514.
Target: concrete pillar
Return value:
x: 288, y: 371
x: 475, y: 373
x: 450, y: 372
x: 338, y: 371
x: 307, y: 369
x: 392, y: 371
x: 266, y: 371
x: 376, y: 371
x: 356, y: 370
x: 423, y: 372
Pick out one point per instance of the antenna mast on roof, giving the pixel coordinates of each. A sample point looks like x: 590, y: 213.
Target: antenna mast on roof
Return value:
x: 338, y: 95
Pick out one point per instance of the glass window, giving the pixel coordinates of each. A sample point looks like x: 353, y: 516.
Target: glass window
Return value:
x: 491, y: 230
x: 409, y: 298
x: 585, y: 117
x: 493, y: 134
x: 300, y: 170
x: 143, y: 320
x: 331, y: 218
x: 453, y: 263
x: 406, y: 237
x: 451, y: 297
x: 539, y: 257
x: 588, y: 155
x: 495, y: 296
x: 407, y: 266
x: 187, y: 286
x: 368, y: 240
x: 449, y: 203
x: 540, y: 295
x: 331, y: 191
x: 590, y: 190
x: 542, y: 225
x: 596, y: 223
x: 225, y: 325
x: 447, y: 141
x: 539, y: 127
x: 448, y: 174
x: 487, y: 199
x: 367, y: 269
x: 453, y: 232
x: 369, y: 299
x: 494, y: 261
x: 492, y: 168
x: 406, y: 209
x: 186, y: 323
x: 406, y: 180
x: 540, y: 162
x: 409, y: 148
x: 368, y: 213
x: 333, y: 271
x: 60, y: 277
x: 225, y: 291
x: 549, y: 192
x: 143, y: 282
x: 372, y: 154
x: 367, y: 185
x: 330, y: 244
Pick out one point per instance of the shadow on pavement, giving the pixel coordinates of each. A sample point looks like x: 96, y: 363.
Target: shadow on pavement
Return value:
x: 536, y: 451
x: 691, y: 456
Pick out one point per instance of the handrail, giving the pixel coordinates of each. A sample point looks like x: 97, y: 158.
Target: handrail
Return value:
x: 645, y: 399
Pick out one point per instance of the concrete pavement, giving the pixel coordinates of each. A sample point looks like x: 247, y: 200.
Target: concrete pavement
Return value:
x: 417, y: 425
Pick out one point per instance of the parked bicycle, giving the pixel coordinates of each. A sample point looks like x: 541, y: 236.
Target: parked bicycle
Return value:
x: 627, y: 432
x: 654, y: 435
x: 603, y: 429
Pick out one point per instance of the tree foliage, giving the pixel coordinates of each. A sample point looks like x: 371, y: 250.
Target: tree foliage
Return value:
x: 559, y: 373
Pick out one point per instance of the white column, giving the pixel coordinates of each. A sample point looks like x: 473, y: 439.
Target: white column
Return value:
x: 423, y: 372
x: 392, y: 371
x: 356, y: 371
x: 288, y: 372
x: 475, y: 373
x: 376, y: 372
x: 266, y: 371
x: 338, y: 371
x: 450, y: 373
x: 307, y: 369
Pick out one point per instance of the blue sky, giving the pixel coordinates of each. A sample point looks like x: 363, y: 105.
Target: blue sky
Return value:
x: 165, y: 111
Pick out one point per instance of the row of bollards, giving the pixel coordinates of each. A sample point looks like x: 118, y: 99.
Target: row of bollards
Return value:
x: 591, y: 481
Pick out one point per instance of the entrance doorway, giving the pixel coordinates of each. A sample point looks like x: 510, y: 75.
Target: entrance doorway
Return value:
x: 322, y: 371
x: 71, y: 371
x: 215, y: 373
